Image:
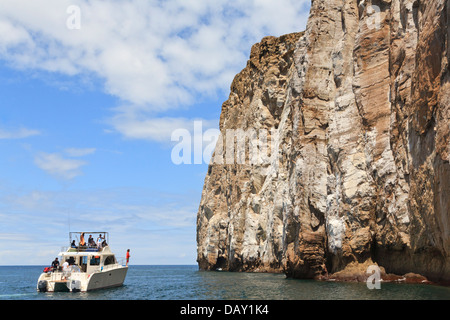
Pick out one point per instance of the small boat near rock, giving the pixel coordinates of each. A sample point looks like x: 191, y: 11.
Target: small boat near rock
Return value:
x: 88, y: 266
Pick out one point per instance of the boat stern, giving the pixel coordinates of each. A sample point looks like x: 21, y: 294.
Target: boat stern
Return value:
x: 55, y: 282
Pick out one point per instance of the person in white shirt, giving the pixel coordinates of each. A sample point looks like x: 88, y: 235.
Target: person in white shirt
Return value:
x: 99, y: 242
x: 66, y: 270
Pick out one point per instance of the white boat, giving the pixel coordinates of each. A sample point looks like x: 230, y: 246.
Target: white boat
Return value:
x: 90, y: 267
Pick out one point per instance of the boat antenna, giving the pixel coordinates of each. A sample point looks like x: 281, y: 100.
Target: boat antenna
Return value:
x: 68, y: 217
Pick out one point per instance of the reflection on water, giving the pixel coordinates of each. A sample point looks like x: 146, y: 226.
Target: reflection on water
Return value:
x: 221, y: 285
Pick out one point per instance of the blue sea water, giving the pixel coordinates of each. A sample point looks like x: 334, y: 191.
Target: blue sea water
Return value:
x: 188, y: 283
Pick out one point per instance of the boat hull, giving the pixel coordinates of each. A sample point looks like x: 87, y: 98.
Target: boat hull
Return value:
x: 81, y: 282
x: 107, y: 279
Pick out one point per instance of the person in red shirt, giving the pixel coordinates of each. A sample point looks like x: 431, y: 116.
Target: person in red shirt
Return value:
x: 128, y: 256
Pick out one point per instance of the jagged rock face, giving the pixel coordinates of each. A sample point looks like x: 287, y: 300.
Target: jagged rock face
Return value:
x: 357, y: 115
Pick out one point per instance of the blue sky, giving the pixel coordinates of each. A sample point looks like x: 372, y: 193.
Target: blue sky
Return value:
x: 86, y: 116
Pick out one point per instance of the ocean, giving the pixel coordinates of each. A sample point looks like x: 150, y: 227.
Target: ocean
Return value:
x: 188, y: 283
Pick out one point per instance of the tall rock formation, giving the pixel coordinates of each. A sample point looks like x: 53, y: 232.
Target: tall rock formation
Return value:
x: 356, y: 115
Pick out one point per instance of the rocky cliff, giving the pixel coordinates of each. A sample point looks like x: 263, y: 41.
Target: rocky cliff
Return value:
x: 355, y: 112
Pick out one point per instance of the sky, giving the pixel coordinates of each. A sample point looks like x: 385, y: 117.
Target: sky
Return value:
x: 90, y: 95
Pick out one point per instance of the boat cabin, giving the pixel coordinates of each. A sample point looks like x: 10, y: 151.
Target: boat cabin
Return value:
x: 88, y: 256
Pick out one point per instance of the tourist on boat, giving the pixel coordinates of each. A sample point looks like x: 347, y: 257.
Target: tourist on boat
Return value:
x: 66, y: 269
x: 55, y: 264
x: 73, y: 245
x: 82, y: 242
x: 128, y: 256
x: 71, y: 261
x: 91, y: 241
x: 99, y: 241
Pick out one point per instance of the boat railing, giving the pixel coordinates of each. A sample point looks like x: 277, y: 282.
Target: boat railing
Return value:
x: 59, y: 273
x: 121, y: 261
x: 81, y: 249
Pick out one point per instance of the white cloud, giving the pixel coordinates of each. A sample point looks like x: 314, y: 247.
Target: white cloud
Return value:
x: 76, y: 152
x: 58, y: 166
x: 152, y: 55
x: 133, y: 126
x: 14, y: 237
x: 18, y: 133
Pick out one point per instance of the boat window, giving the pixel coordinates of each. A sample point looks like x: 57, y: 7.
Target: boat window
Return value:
x: 95, y: 261
x: 83, y: 263
x: 109, y: 260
